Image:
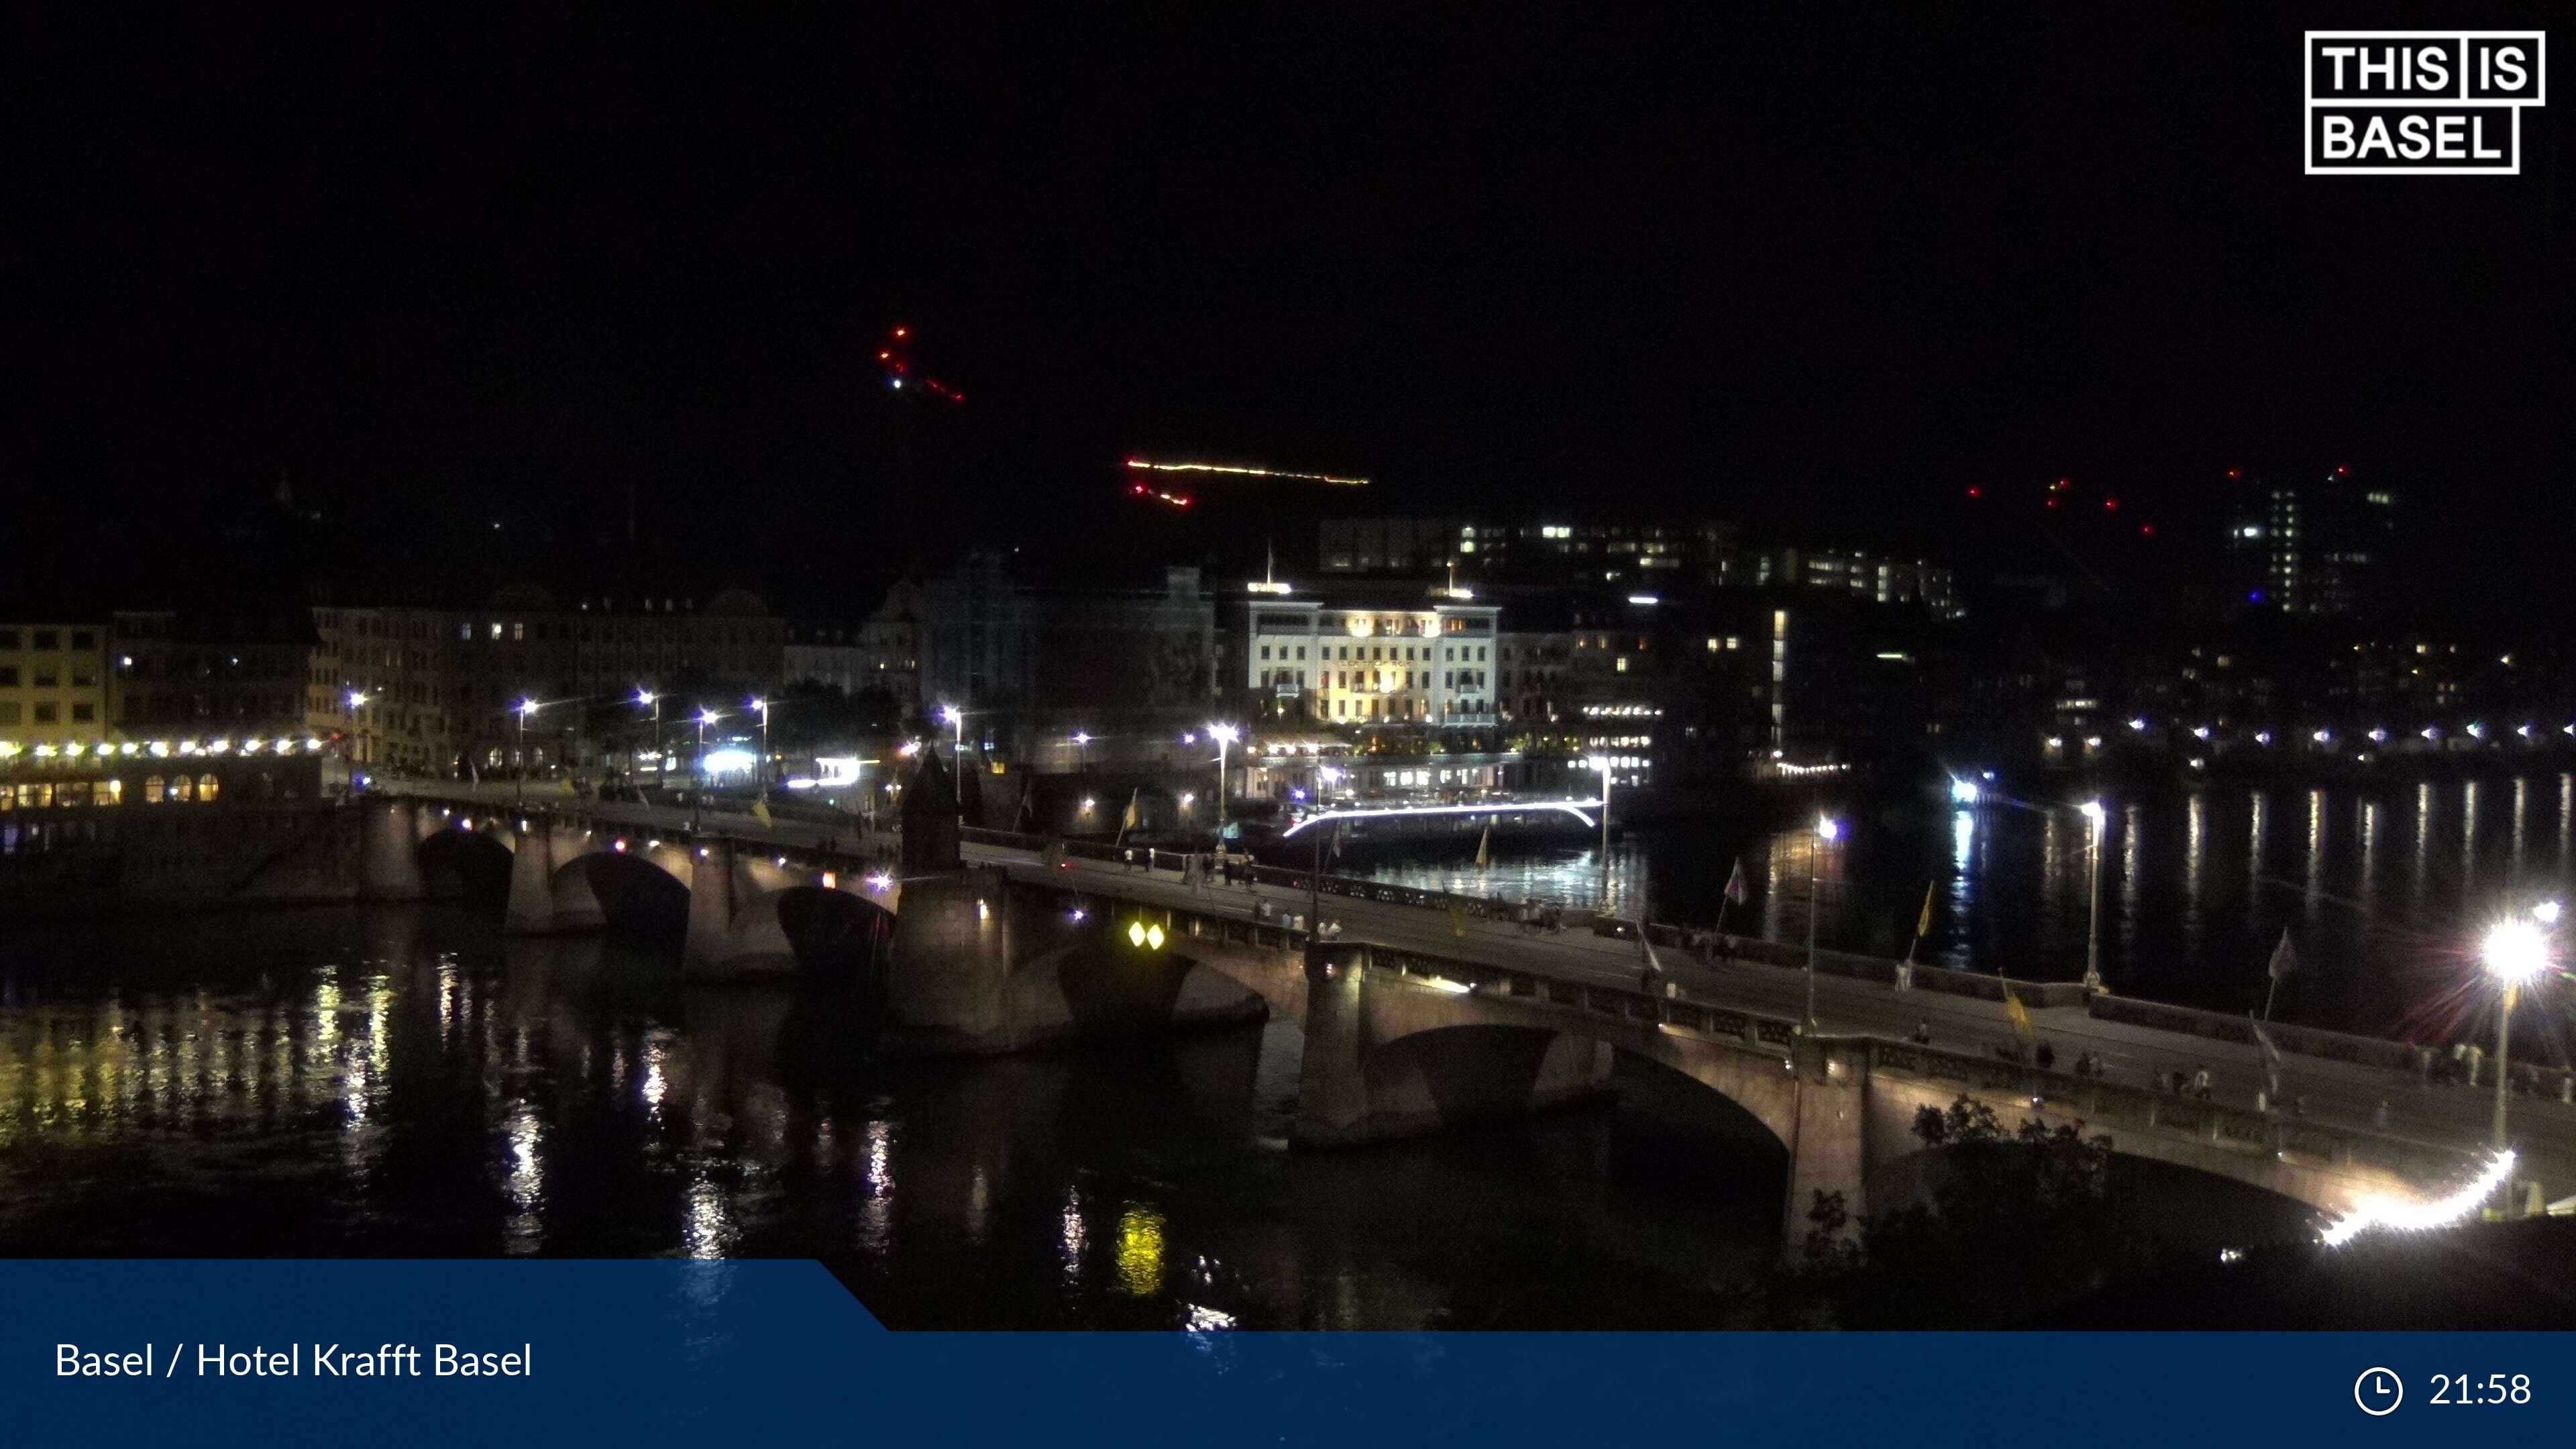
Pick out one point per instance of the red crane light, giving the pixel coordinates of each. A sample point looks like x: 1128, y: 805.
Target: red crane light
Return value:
x: 2111, y: 504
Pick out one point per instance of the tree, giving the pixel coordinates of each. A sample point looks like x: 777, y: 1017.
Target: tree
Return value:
x: 2016, y: 1221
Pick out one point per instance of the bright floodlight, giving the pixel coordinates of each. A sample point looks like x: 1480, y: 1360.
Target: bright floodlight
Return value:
x: 2138, y: 724
x: 949, y: 714
x: 527, y: 706
x: 357, y: 697
x: 2092, y: 811
x: 1964, y: 791
x: 643, y: 695
x: 1224, y: 732
x: 2546, y: 913
x: 2514, y: 951
x: 1081, y: 738
x: 1828, y: 828
x: 707, y: 716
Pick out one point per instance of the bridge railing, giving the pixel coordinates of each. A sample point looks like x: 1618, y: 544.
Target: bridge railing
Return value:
x: 2123, y: 1107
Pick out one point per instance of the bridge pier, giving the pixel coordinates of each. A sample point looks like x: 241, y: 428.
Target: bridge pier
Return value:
x: 949, y: 976
x: 388, y: 850
x: 1829, y: 1151
x: 532, y: 891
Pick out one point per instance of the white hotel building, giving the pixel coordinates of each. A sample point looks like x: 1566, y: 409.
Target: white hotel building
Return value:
x: 1340, y: 664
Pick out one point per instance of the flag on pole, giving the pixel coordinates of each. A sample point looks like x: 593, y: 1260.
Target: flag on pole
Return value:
x: 2271, y: 1055
x: 2019, y: 1016
x: 1484, y: 857
x: 1923, y: 927
x: 760, y: 812
x: 1735, y: 883
x: 1127, y: 818
x: 2284, y: 959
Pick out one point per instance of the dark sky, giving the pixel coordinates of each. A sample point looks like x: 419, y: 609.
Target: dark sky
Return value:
x: 1822, y: 269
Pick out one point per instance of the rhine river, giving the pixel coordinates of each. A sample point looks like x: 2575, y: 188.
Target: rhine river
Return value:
x: 2383, y: 891
x: 408, y: 1082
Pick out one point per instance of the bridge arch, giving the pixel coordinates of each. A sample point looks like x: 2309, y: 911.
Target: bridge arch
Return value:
x: 464, y: 860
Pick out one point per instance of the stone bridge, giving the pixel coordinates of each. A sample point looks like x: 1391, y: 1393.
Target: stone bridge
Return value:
x: 1396, y: 1041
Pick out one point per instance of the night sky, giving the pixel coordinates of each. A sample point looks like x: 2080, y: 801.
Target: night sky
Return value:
x: 1820, y: 272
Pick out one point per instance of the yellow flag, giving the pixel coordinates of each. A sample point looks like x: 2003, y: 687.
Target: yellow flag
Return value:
x: 1923, y: 927
x: 760, y: 812
x: 1127, y: 820
x: 2020, y: 1017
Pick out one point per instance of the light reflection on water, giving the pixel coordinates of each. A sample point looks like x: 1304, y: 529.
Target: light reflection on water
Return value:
x: 409, y: 1082
x: 2199, y: 883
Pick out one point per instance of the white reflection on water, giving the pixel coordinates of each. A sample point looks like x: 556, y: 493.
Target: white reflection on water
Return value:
x: 1072, y: 1239
x: 524, y: 1179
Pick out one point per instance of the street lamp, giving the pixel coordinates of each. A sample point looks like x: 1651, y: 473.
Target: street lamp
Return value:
x: 763, y: 706
x: 1601, y: 764
x: 1082, y: 743
x: 645, y: 696
x: 2514, y: 951
x: 349, y: 740
x: 1224, y: 735
x: 1828, y: 830
x: 2093, y: 910
x: 698, y: 784
x: 527, y: 707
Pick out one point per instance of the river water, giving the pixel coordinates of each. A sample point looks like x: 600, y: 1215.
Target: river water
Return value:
x: 408, y: 1082
x: 2381, y: 890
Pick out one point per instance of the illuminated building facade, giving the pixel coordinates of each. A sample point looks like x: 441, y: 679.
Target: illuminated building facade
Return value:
x: 1346, y: 663
x: 53, y: 683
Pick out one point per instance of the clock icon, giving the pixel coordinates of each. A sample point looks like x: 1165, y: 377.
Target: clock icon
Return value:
x: 2378, y: 1392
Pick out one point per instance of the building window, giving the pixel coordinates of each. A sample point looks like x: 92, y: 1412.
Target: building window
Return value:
x: 49, y: 714
x: 208, y: 787
x: 48, y: 639
x: 84, y: 713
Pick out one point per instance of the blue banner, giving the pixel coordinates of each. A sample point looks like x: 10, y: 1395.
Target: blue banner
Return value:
x: 410, y: 1352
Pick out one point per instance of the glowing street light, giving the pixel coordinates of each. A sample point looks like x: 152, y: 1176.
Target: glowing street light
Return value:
x: 2093, y: 816
x: 698, y: 785
x: 1082, y: 743
x: 649, y: 699
x: 527, y: 708
x: 1963, y: 792
x: 763, y: 706
x: 1828, y: 830
x: 2514, y: 951
x: 1224, y: 735
x: 1601, y: 765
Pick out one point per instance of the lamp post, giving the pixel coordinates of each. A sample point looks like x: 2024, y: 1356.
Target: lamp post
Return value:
x: 1224, y: 735
x: 1082, y: 743
x: 526, y: 708
x: 763, y: 706
x: 698, y: 772
x: 2514, y: 952
x: 1828, y: 830
x: 349, y: 739
x: 2093, y: 911
x: 1601, y: 765
x: 645, y: 696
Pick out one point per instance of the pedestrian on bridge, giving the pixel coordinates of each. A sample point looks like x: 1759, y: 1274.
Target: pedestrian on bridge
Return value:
x: 2200, y: 1084
x: 2379, y: 1116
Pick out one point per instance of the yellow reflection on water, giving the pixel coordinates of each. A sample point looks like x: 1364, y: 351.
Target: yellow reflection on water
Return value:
x: 1140, y: 1251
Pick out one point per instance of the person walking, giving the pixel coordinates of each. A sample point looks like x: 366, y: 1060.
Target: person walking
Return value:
x: 2200, y: 1084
